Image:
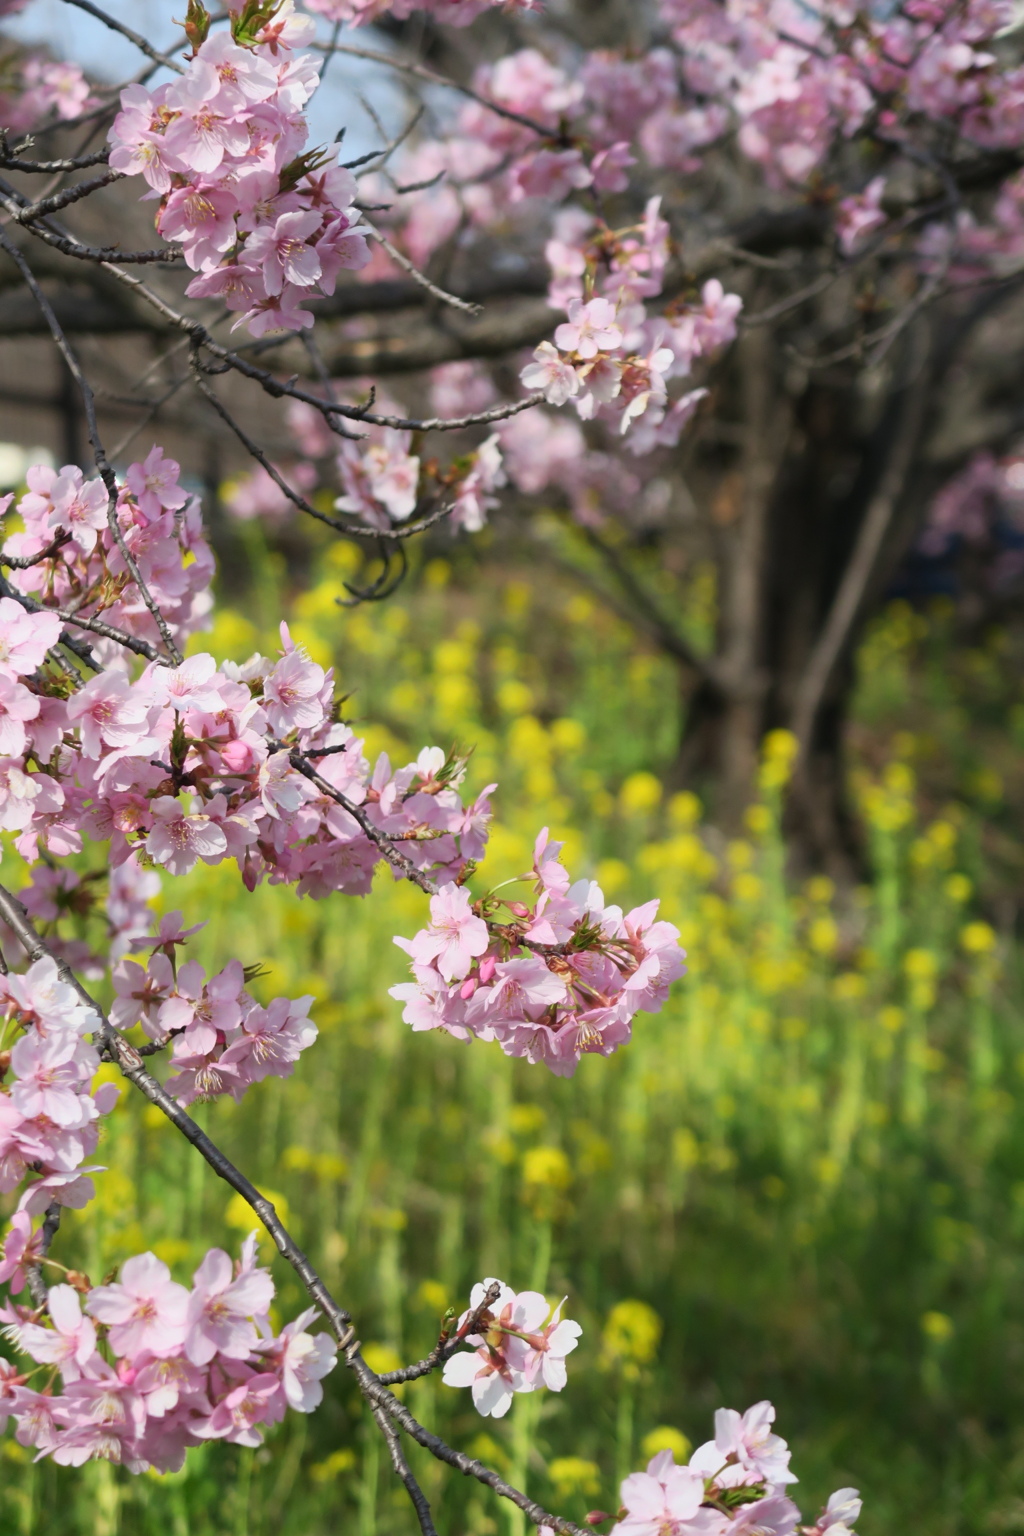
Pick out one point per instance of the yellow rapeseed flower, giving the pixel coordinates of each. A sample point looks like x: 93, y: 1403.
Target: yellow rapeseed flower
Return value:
x: 381, y: 1357
x: 432, y: 1296
x: 640, y: 794
x: 546, y: 1168
x: 612, y: 875
x: 920, y: 964
x: 572, y: 1474
x: 758, y: 820
x: 937, y: 1327
x: 823, y: 935
x: 958, y: 888
x: 978, y: 938
x: 514, y: 697
x: 665, y: 1438
x: 632, y: 1334
x: 684, y: 809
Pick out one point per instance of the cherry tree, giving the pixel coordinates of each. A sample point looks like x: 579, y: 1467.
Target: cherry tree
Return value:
x: 879, y: 150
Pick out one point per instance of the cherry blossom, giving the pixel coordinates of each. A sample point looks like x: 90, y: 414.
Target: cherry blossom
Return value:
x: 144, y: 1310
x: 661, y: 1501
x: 511, y: 1352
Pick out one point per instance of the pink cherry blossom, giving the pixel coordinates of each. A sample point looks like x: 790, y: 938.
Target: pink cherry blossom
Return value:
x: 222, y: 1307
x: 109, y: 712
x: 21, y: 1249
x: 71, y: 1343
x: 17, y: 705
x: 178, y: 839
x: 591, y: 328
x: 746, y: 1445
x: 661, y: 1501
x: 303, y: 1360
x: 146, y: 1309
x: 291, y: 694
x: 455, y: 934
x: 280, y: 253
x: 25, y: 638
x: 551, y: 374
x: 511, y: 1352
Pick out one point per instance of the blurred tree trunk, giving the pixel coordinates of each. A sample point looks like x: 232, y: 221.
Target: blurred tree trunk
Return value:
x: 808, y: 532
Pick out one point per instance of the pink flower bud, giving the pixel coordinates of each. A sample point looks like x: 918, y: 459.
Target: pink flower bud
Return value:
x: 237, y: 756
x: 467, y: 989
x: 487, y: 965
x: 517, y: 909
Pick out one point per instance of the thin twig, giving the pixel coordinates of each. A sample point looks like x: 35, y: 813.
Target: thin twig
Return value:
x: 128, y: 32
x: 50, y: 167
x: 403, y: 1471
x: 106, y: 473
x: 442, y: 296
x: 421, y: 72
x: 398, y: 861
x: 63, y: 199
x: 446, y: 1345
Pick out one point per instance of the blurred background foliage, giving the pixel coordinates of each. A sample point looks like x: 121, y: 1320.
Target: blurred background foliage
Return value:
x: 804, y: 1179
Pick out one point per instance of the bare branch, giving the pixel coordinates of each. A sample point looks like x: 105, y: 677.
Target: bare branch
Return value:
x: 133, y: 37
x: 431, y: 76
x: 846, y: 604
x: 417, y: 276
x: 63, y: 199
x: 404, y: 1471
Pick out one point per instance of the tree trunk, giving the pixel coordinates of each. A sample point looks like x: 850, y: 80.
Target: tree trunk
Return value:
x: 826, y: 516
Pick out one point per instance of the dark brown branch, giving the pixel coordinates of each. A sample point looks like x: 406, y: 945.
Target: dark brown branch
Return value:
x: 65, y: 198
x: 649, y: 611
x: 403, y: 1471
x: 352, y: 530
x: 422, y: 281
x: 16, y: 162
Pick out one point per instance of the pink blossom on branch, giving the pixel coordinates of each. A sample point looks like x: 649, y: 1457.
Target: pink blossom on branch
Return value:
x: 516, y: 1348
x: 190, y: 1365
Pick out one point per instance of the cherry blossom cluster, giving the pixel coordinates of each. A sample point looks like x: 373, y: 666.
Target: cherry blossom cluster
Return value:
x: 265, y: 223
x: 76, y: 543
x: 517, y: 1345
x: 733, y: 1484
x: 221, y: 1040
x: 383, y: 483
x: 149, y: 1367
x: 193, y: 763
x: 49, y: 1110
x: 42, y: 89
x: 560, y: 978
